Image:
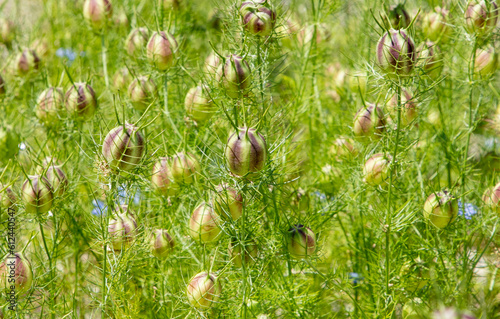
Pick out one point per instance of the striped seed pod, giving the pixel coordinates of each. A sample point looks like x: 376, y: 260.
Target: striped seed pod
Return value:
x: 369, y: 121
x: 481, y: 16
x: 122, y: 231
x: 16, y: 268
x: 242, y: 252
x: 396, y: 53
x: 81, y: 101
x: 184, y: 168
x: 212, y: 63
x: 123, y: 147
x: 203, y: 290
x: 486, y: 61
x: 162, y: 243
x: 37, y: 194
x: 97, y: 13
x: 398, y: 17
x: 57, y: 179
x: 136, y: 41
x: 8, y: 198
x: 198, y: 104
x: 161, y: 50
x: 246, y: 152
x: 376, y: 169
x: 491, y: 197
x: 257, y: 18
x: 2, y: 86
x: 142, y: 92
x: 435, y: 25
x: 162, y: 179
x: 441, y: 209
x: 204, y: 224
x: 122, y: 79
x: 301, y: 242
x: 27, y: 62
x: 7, y: 32
x: 49, y: 105
x: 235, y: 76
x: 408, y: 106
x: 228, y: 203
x: 429, y: 59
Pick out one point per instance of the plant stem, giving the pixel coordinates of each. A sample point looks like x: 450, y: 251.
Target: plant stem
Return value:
x: 104, y: 60
x: 51, y: 272
x: 165, y: 101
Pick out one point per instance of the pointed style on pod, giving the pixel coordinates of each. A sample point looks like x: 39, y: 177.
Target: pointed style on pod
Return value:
x: 26, y: 62
x: 397, y: 17
x: 396, y: 53
x: 481, y: 16
x: 81, y: 101
x: 98, y: 13
x: 491, y: 198
x: 7, y: 31
x: 246, y: 152
x: 21, y: 274
x: 237, y: 250
x: 37, y: 194
x: 2, y: 86
x: 185, y: 167
x: 162, y: 243
x: 235, y: 76
x: 122, y: 79
x: 123, y: 147
x: 257, y: 18
x: 161, y: 50
x: 429, y: 59
x: 136, y: 41
x: 122, y: 230
x: 369, y: 121
x: 376, y: 169
x: 204, y: 225
x: 301, y: 242
x: 486, y: 61
x: 142, y: 92
x: 198, y: 104
x: 228, y: 203
x: 441, y: 209
x: 162, y: 179
x: 435, y: 25
x: 49, y: 105
x: 203, y: 290
x: 408, y: 106
x: 8, y: 198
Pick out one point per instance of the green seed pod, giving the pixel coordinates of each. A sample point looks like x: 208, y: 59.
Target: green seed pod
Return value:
x: 136, y: 41
x: 343, y: 148
x: 212, y: 63
x: 203, y: 290
x: 123, y: 147
x: 441, y: 209
x: 369, y: 121
x: 429, y: 59
x: 237, y: 251
x: 41, y: 48
x: 122, y: 230
x: 37, y: 194
x: 491, y: 198
x: 81, y: 101
x: 257, y: 19
x: 396, y: 53
x: 98, y: 13
x: 376, y: 169
x: 27, y: 62
x: 397, y: 17
x: 204, y: 225
x: 235, y: 76
x: 481, y: 16
x: 184, y: 168
x: 162, y: 179
x: 162, y: 243
x: 57, y: 179
x: 301, y: 242
x: 7, y: 32
x: 358, y: 81
x: 198, y: 104
x: 323, y: 34
x: 409, y: 107
x: 9, y: 143
x: 2, y: 86
x: 142, y: 92
x: 246, y: 152
x: 8, y: 198
x: 228, y: 203
x: 122, y: 79
x: 169, y: 5
x: 16, y: 268
x: 486, y: 61
x: 49, y: 105
x: 434, y: 25
x: 161, y: 50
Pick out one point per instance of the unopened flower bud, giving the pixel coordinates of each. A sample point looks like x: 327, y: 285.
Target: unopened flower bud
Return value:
x: 123, y: 147
x: 162, y: 179
x: 257, y: 18
x: 301, y: 242
x: 81, y: 101
x: 343, y: 148
x: 136, y: 41
x: 142, y: 92
x: 429, y: 59
x: 97, y: 13
x: 398, y: 17
x: 246, y: 152
x: 408, y: 106
x: 16, y: 271
x: 122, y: 231
x: 369, y: 121
x: 481, y: 16
x: 235, y: 76
x: 41, y: 48
x: 486, y: 61
x: 396, y: 53
x: 37, y: 195
x: 376, y: 169
x: 203, y: 290
x: 122, y: 79
x: 204, y: 225
x: 435, y: 26
x: 27, y: 62
x: 491, y: 197
x: 168, y: 5
x: 161, y: 50
x: 162, y: 243
x: 184, y: 167
x: 212, y: 63
x: 228, y: 203
x: 441, y: 209
x: 9, y: 143
x: 49, y: 105
x: 7, y: 197
x: 7, y: 32
x: 237, y: 250
x: 199, y: 105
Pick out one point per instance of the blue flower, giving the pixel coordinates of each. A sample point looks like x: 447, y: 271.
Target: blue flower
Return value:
x: 68, y: 54
x: 124, y: 196
x: 355, y: 278
x: 100, y: 207
x: 468, y: 210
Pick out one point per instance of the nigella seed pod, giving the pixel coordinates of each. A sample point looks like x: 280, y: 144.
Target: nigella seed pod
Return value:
x: 49, y: 105
x: 8, y: 198
x: 396, y: 53
x: 27, y: 62
x: 369, y: 121
x: 228, y: 203
x: 122, y: 79
x: 42, y: 48
x: 97, y: 13
x: 16, y: 269
x: 123, y: 147
x: 199, y: 105
x: 122, y: 231
x: 162, y: 243
x: 398, y: 17
x: 239, y: 252
x: 168, y: 5
x: 204, y: 225
x: 301, y: 242
x: 246, y: 152
x: 235, y: 76
x: 81, y: 101
x: 441, y: 209
x: 184, y: 168
x: 136, y: 41
x: 429, y: 59
x: 212, y: 63
x: 434, y: 25
x: 161, y: 50
x: 7, y: 32
x: 486, y: 61
x: 203, y: 290
x: 343, y: 148
x: 358, y: 82
x: 2, y: 86
x: 491, y: 197
x: 257, y: 19
x: 37, y: 195
x: 408, y: 107
x: 162, y: 179
x: 142, y: 92
x: 481, y: 16
x: 376, y: 169
x: 57, y: 179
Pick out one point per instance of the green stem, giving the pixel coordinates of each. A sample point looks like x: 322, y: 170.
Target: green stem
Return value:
x: 51, y: 272
x: 165, y: 101
x: 104, y: 60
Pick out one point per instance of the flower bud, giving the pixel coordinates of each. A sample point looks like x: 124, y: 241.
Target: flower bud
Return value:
x: 136, y: 41
x: 441, y: 209
x: 142, y: 92
x: 16, y: 268
x: 212, y: 63
x: 396, y: 53
x: 235, y: 76
x: 123, y: 147
x: 429, y: 59
x: 2, y: 86
x: 48, y: 106
x: 37, y: 194
x: 162, y: 179
x: 122, y: 79
x: 161, y: 49
x: 408, y: 106
x: 246, y: 152
x: 204, y: 290
x: 228, y: 203
x: 27, y: 62
x: 7, y: 197
x: 398, y: 17
x: 122, y: 231
x: 237, y: 250
x: 7, y: 32
x: 376, y: 169
x: 204, y: 224
x: 41, y: 48
x: 434, y: 25
x: 491, y: 197
x: 257, y: 19
x: 369, y: 121
x: 184, y: 168
x: 486, y: 61
x: 198, y: 104
x: 168, y: 5
x: 9, y: 143
x: 162, y: 243
x: 81, y: 101
x: 323, y: 34
x: 301, y: 242
x: 57, y: 179
x: 97, y: 13
x: 481, y: 16
x: 343, y: 148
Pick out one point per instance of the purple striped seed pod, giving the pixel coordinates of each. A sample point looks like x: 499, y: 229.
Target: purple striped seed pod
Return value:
x: 122, y: 231
x: 97, y: 13
x: 409, y: 106
x: 396, y: 53
x: 161, y: 50
x: 142, y: 92
x: 204, y: 225
x: 8, y: 198
x: 198, y: 104
x: 27, y: 62
x: 227, y: 202
x: 161, y: 243
x: 243, y: 252
x: 123, y: 147
x: 169, y: 5
x: 49, y: 105
x: 184, y: 168
x: 136, y: 41
x: 162, y: 179
x: 301, y: 242
x: 441, y: 209
x: 369, y: 121
x: 398, y: 17
x: 203, y: 290
x: 2, y: 86
x: 37, y: 194
x: 376, y: 169
x: 21, y: 274
x: 246, y: 152
x: 122, y: 79
x: 7, y: 31
x: 435, y: 25
x: 481, y: 16
x: 57, y: 179
x: 81, y: 101
x: 486, y: 61
x: 257, y: 18
x: 235, y: 76
x: 491, y: 198
x: 429, y: 59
